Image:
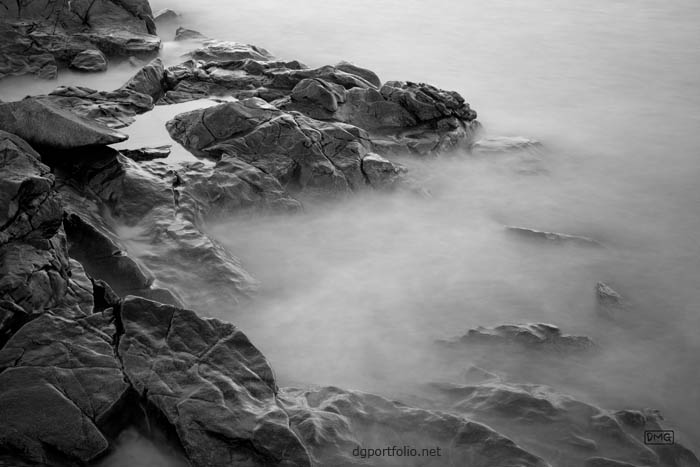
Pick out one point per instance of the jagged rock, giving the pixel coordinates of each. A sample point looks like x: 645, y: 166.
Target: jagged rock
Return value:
x: 114, y: 109
x: 60, y: 385
x: 38, y: 35
x: 147, y: 154
x: 333, y: 423
x: 533, y: 336
x: 184, y: 34
x: 166, y: 16
x: 148, y: 80
x: 552, y: 236
x: 381, y: 172
x: 210, y: 383
x: 89, y: 60
x: 223, y: 51
x: 574, y: 430
x: 504, y: 144
x: 327, y: 157
x: 44, y: 124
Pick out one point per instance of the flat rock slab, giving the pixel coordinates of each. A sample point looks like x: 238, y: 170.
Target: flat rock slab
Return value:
x: 44, y: 124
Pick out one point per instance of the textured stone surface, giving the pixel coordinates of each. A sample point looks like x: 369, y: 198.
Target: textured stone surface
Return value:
x: 534, y: 336
x: 89, y: 60
x: 43, y: 123
x: 210, y: 383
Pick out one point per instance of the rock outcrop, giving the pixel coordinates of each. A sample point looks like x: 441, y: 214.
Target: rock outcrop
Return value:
x: 532, y: 336
x: 554, y: 237
x: 40, y: 35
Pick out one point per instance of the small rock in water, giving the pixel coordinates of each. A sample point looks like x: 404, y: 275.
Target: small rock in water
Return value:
x: 381, y: 172
x: 184, y: 34
x: 166, y: 16
x: 533, y: 336
x: 147, y: 154
x: 607, y: 295
x: 89, y: 60
x: 552, y: 236
x: 504, y: 144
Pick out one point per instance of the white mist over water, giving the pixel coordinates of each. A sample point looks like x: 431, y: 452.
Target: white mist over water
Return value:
x: 355, y: 293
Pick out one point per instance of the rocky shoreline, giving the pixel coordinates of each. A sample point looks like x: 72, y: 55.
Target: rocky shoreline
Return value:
x: 96, y: 340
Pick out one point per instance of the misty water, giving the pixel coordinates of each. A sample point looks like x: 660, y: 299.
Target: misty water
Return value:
x: 355, y: 292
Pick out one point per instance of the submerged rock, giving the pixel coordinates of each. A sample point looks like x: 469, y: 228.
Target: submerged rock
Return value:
x: 532, y: 336
x: 607, y: 296
x: 43, y: 123
x: 505, y: 144
x: 89, y: 60
x: 184, y: 34
x: 552, y: 236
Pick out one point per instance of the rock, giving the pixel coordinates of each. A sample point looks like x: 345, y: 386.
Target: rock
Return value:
x: 474, y: 374
x: 505, y: 144
x: 532, y: 336
x: 607, y: 296
x: 114, y: 109
x: 381, y: 172
x: 334, y: 424
x: 184, y: 34
x: 210, y: 383
x: 552, y: 236
x: 223, y: 51
x: 147, y: 154
x: 89, y: 60
x: 326, y: 156
x: 148, y: 80
x: 368, y: 75
x: 36, y: 37
x: 60, y: 386
x: 44, y: 124
x: 166, y: 16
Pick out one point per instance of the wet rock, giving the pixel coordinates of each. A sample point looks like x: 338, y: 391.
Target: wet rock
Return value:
x: 223, y: 51
x: 148, y: 80
x: 552, y: 236
x: 59, y: 387
x: 607, y: 296
x: 505, y: 144
x: 114, y: 109
x: 37, y: 37
x: 184, y: 34
x: 44, y: 124
x: 210, y: 383
x: 333, y: 423
x: 147, y: 154
x: 327, y: 156
x: 381, y: 172
x: 368, y: 75
x: 532, y: 336
x: 89, y: 61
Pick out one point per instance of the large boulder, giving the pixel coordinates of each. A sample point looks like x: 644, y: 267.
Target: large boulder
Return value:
x: 210, y: 383
x: 45, y: 124
x: 305, y: 153
x: 43, y: 33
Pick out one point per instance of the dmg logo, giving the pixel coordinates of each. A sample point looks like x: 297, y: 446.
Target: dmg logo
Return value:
x: 658, y: 437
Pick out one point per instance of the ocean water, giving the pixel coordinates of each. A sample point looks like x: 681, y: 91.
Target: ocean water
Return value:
x: 354, y: 293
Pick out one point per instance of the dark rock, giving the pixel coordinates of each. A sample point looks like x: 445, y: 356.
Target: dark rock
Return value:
x: 381, y: 172
x: 222, y: 51
x: 533, y: 336
x: 115, y: 109
x: 368, y: 75
x: 333, y: 422
x: 89, y: 60
x: 552, y: 236
x: 37, y: 36
x: 210, y: 383
x: 184, y: 34
x: 59, y: 386
x: 148, y: 80
x: 327, y: 156
x: 44, y: 124
x: 147, y: 154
